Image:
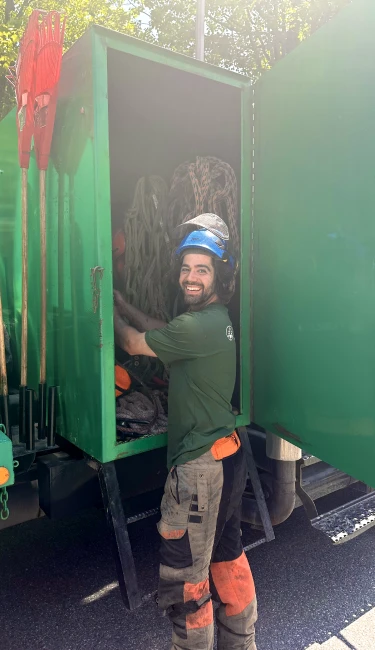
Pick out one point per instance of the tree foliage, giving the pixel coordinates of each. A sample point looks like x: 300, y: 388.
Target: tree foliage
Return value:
x: 80, y: 15
x: 243, y: 35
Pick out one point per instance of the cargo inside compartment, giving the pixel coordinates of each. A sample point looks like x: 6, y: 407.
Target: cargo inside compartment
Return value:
x: 160, y: 117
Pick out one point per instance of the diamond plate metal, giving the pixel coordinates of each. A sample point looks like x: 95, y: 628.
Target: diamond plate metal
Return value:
x: 348, y: 520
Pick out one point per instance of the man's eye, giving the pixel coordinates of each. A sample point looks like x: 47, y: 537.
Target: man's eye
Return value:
x: 202, y: 271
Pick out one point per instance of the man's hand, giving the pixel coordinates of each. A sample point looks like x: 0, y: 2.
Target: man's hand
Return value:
x: 129, y: 339
x: 137, y: 318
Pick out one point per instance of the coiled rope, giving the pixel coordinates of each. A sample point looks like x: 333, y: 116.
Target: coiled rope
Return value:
x: 147, y: 247
x: 208, y: 185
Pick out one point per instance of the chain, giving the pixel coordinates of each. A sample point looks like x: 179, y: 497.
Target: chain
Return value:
x: 4, y: 510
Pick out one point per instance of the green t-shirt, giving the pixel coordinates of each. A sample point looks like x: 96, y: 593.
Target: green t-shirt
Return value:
x: 201, y: 351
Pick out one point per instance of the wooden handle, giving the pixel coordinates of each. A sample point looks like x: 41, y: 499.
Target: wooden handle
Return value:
x: 24, y: 281
x: 43, y: 277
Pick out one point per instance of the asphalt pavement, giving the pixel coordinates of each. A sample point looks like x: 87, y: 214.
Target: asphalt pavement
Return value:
x: 58, y: 588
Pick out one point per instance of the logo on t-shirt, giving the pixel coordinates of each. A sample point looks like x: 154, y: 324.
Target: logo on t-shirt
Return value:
x: 230, y: 333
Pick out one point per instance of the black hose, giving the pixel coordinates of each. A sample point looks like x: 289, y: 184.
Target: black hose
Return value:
x: 281, y: 500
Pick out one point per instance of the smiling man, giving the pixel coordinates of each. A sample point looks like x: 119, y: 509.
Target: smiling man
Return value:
x: 200, y: 528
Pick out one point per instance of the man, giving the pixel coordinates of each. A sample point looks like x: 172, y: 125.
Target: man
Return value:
x: 201, y: 551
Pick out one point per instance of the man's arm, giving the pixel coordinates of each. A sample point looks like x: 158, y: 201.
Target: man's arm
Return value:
x: 141, y: 321
x: 129, y: 339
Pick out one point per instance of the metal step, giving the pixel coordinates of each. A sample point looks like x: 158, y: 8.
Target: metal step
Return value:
x: 320, y: 479
x: 142, y: 515
x: 349, y: 520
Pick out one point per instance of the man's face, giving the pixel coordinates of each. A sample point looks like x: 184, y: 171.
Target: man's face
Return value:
x: 197, y: 279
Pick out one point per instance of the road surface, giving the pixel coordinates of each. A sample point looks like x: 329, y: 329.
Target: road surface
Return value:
x: 58, y: 589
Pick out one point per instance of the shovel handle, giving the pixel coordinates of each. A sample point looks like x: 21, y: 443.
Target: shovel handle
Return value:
x: 24, y: 316
x: 43, y: 277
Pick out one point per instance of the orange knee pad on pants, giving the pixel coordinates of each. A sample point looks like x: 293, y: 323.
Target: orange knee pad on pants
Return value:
x: 234, y: 584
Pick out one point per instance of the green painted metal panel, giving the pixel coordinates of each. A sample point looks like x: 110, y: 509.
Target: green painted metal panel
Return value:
x: 86, y: 171
x: 10, y: 247
x: 314, y: 241
x: 79, y: 260
x: 246, y: 242
x: 76, y: 335
x: 9, y: 192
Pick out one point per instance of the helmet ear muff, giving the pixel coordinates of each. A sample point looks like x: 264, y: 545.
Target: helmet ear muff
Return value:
x: 225, y: 282
x: 231, y: 261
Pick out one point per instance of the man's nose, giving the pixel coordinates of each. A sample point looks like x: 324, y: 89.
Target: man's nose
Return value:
x: 192, y: 276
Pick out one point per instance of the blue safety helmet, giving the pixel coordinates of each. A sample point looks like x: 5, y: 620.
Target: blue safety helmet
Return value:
x: 208, y: 242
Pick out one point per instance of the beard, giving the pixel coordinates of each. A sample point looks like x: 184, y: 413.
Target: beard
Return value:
x: 199, y: 297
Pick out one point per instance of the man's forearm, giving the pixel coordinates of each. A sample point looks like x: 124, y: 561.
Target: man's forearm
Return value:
x: 136, y: 317
x: 141, y: 321
x: 130, y: 339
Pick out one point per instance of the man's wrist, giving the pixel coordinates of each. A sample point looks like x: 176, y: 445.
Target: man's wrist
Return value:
x: 120, y: 329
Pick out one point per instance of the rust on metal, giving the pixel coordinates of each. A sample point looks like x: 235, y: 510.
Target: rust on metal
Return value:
x: 96, y: 273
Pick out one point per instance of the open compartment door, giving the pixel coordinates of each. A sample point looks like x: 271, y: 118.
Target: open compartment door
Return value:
x: 79, y: 255
x: 314, y: 245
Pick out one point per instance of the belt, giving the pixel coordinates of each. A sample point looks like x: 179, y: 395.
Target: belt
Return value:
x: 226, y: 446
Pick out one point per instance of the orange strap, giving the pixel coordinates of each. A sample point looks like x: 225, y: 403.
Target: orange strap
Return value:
x: 225, y: 447
x: 205, y: 614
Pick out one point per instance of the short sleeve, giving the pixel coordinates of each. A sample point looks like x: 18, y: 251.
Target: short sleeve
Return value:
x: 182, y: 338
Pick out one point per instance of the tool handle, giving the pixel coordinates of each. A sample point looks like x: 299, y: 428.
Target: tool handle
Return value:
x: 29, y: 420
x: 43, y: 277
x: 42, y: 411
x: 25, y: 279
x: 52, y: 413
x: 22, y: 413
